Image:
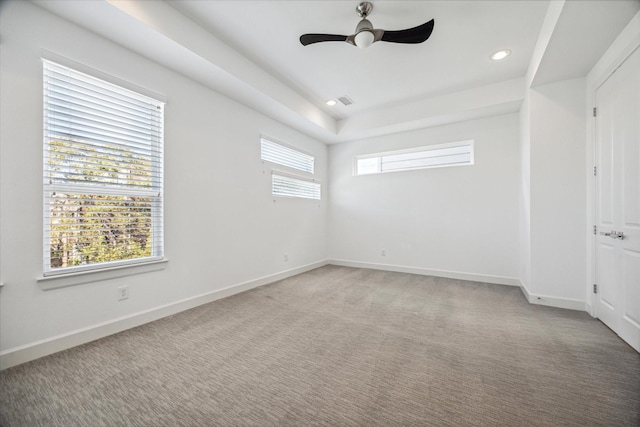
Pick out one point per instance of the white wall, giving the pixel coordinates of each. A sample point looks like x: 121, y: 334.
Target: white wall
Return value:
x: 558, y: 191
x: 524, y: 217
x: 456, y: 221
x: 222, y: 227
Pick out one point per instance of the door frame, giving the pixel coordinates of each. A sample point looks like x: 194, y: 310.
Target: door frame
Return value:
x: 622, y: 48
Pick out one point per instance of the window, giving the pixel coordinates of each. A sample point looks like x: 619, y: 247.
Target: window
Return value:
x: 287, y: 184
x: 285, y: 156
x: 282, y: 185
x: 103, y: 173
x: 454, y: 154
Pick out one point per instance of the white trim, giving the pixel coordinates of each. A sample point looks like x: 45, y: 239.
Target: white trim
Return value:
x: 138, y: 133
x: 293, y: 148
x: 567, y: 303
x: 467, y: 142
x: 525, y: 291
x: 118, y: 269
x: 287, y: 145
x: 110, y: 78
x: 624, y: 45
x: 589, y: 309
x: 100, y: 190
x: 296, y: 187
x: 434, y: 147
x: 475, y: 277
x: 293, y: 175
x: 25, y: 353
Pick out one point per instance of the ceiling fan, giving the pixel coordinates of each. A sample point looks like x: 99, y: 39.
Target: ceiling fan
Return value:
x: 366, y: 35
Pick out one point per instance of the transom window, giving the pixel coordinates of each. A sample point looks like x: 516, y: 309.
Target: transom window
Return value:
x: 290, y: 186
x: 286, y: 184
x: 442, y: 155
x: 273, y: 152
x: 103, y: 173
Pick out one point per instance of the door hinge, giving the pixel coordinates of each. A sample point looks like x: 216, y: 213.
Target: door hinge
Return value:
x: 595, y: 288
x: 595, y: 170
x: 595, y: 229
x: 594, y: 111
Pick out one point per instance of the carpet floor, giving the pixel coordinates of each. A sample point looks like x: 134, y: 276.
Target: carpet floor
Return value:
x: 341, y: 346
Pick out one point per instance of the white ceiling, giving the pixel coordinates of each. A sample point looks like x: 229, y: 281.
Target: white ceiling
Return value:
x: 584, y: 31
x: 455, y: 57
x: 249, y: 50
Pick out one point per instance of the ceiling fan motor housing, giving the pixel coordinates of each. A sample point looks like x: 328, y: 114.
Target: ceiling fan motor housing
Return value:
x: 364, y: 24
x: 364, y: 36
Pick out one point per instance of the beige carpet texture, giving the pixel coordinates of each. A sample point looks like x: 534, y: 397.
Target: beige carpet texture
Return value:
x: 341, y: 346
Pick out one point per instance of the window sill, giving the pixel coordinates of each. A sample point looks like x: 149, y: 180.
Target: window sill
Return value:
x: 81, y: 277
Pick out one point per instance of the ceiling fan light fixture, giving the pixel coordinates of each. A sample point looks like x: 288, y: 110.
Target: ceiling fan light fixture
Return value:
x: 500, y: 55
x: 364, y: 39
x: 365, y: 34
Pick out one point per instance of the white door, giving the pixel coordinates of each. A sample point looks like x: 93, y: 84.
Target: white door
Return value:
x: 618, y: 201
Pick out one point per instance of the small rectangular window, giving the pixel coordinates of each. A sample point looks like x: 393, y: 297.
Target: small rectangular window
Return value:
x: 453, y: 154
x: 103, y: 173
x: 285, y: 156
x: 288, y: 186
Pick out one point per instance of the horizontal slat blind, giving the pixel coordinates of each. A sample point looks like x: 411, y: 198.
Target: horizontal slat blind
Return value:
x: 293, y: 187
x: 285, y: 156
x: 420, y: 158
x: 103, y: 172
x: 427, y: 158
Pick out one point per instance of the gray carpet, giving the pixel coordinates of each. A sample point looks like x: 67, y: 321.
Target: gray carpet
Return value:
x: 342, y: 347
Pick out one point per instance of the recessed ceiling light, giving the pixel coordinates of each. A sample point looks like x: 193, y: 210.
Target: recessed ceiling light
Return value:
x: 331, y: 103
x: 501, y: 54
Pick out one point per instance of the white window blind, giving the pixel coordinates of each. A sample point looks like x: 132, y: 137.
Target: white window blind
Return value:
x: 454, y: 154
x: 283, y: 185
x: 285, y: 156
x: 103, y: 173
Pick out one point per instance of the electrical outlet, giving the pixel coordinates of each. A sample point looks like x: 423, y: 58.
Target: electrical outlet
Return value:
x: 123, y: 293
x: 286, y: 256
x: 383, y: 252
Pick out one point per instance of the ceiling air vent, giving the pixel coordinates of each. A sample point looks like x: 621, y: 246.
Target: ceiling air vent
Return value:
x: 345, y: 100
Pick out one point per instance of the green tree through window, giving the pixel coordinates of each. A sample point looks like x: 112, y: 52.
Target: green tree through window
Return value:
x: 103, y: 172
x: 91, y: 228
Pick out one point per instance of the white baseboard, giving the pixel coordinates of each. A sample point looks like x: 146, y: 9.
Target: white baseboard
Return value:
x: 499, y: 280
x: 571, y: 304
x: 589, y: 309
x: 525, y: 291
x: 17, y: 355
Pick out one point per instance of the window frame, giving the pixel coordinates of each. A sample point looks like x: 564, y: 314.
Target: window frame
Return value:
x: 155, y: 192
x: 274, y: 141
x: 299, y: 178
x: 291, y: 171
x: 379, y: 156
